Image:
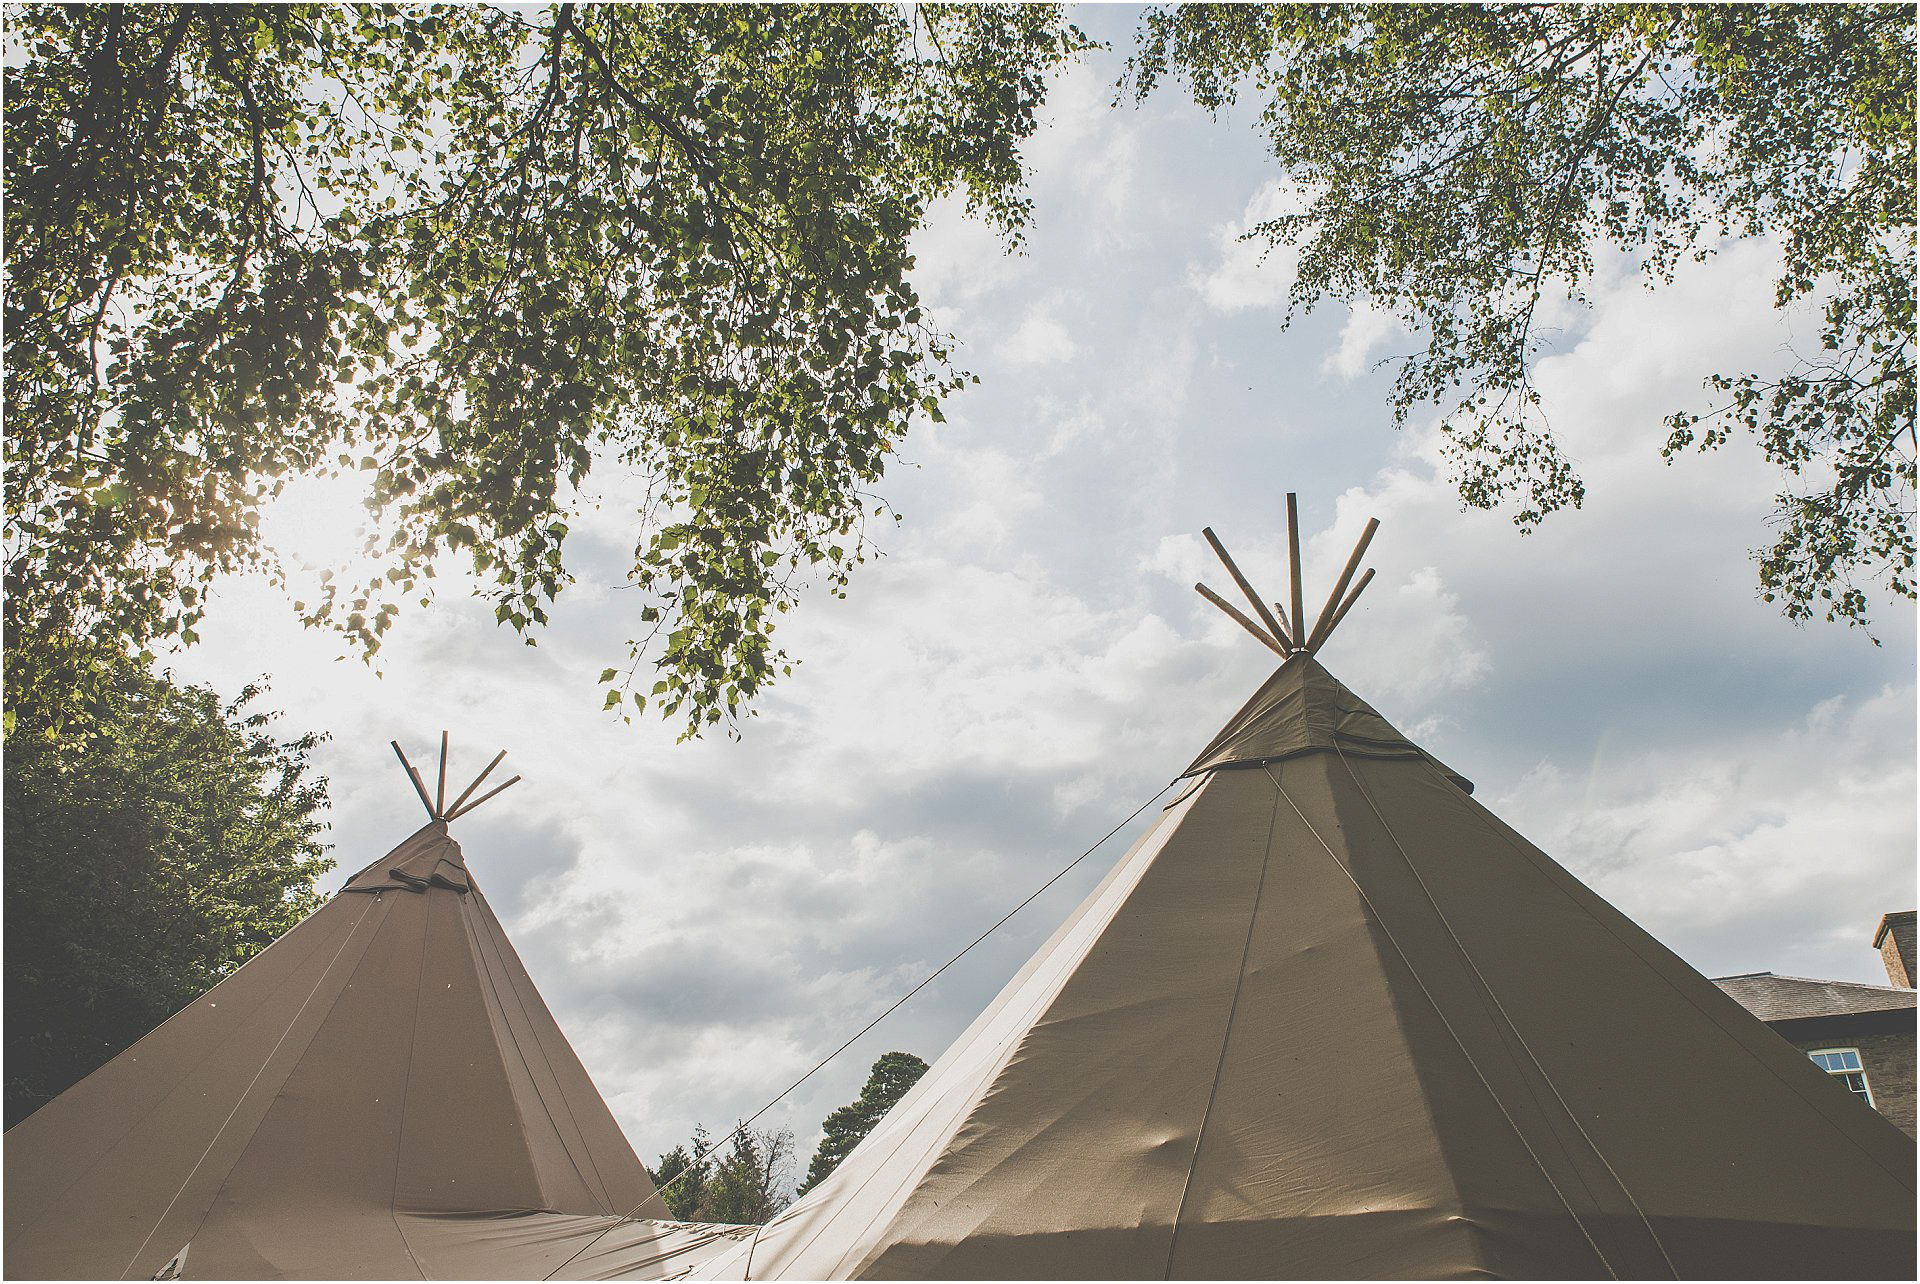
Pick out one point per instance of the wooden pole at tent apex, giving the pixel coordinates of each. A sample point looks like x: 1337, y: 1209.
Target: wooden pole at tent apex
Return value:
x: 1275, y: 645
x: 1287, y: 634
x: 436, y: 803
x: 468, y: 792
x: 1325, y: 624
x: 500, y: 788
x: 1279, y: 631
x: 1298, y: 614
x: 1352, y: 597
x: 419, y: 785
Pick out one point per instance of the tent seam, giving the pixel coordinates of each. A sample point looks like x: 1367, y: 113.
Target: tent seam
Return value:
x: 932, y: 1154
x: 1500, y: 1105
x: 566, y: 1102
x: 1487, y: 988
x: 293, y: 975
x: 221, y: 1131
x: 406, y: 1087
x: 1226, y: 1040
x: 482, y: 946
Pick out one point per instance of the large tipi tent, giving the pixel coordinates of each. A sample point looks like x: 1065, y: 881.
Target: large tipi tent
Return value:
x: 379, y: 1094
x: 1330, y: 1018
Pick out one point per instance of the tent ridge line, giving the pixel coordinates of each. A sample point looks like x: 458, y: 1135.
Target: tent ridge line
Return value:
x: 346, y: 939
x: 1556, y: 877
x: 1226, y: 1039
x: 1446, y: 1023
x: 492, y: 966
x: 1487, y: 989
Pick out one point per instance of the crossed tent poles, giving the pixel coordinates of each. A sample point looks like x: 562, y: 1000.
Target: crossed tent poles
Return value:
x: 1286, y: 634
x: 436, y: 805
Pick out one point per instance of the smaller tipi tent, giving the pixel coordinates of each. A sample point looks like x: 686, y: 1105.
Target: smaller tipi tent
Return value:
x: 379, y: 1094
x: 1330, y: 1018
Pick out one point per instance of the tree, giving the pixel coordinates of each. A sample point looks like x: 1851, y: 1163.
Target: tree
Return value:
x: 1458, y: 164
x: 155, y: 840
x: 745, y: 1186
x: 846, y: 1127
x: 481, y: 256
x: 682, y: 1175
x: 753, y: 1181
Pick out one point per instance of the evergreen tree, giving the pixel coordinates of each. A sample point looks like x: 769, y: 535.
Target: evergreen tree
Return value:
x: 746, y: 1186
x: 685, y: 1191
x: 892, y: 1075
x: 752, y: 1183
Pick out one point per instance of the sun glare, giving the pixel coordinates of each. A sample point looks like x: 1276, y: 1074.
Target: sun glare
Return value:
x: 318, y: 524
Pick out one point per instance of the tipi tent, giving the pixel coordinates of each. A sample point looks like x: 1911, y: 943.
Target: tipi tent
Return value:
x: 1330, y: 1018
x: 379, y: 1094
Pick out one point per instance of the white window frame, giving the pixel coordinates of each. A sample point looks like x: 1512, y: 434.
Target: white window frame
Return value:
x: 1843, y: 1072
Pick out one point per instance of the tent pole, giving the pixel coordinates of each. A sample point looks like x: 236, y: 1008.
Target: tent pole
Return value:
x: 1279, y: 630
x: 455, y: 809
x: 1347, y: 605
x: 507, y: 784
x: 440, y: 792
x: 1293, y: 562
x: 1324, y: 625
x: 1241, y: 619
x: 419, y: 786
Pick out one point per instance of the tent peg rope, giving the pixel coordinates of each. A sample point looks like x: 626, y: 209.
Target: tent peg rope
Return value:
x: 436, y: 804
x: 1283, y: 632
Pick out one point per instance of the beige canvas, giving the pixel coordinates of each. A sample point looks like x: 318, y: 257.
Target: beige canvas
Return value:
x: 1328, y: 1018
x: 387, y: 1059
x: 1331, y: 1019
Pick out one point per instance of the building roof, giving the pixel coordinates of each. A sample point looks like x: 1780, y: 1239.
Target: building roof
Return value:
x: 1888, y: 922
x: 1793, y: 998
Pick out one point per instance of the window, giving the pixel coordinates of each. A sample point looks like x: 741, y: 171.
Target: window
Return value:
x: 1844, y: 1065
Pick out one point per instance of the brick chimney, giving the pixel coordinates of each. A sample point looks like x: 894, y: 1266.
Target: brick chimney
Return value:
x: 1894, y: 940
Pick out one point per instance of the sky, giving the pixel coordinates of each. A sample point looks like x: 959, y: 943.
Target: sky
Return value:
x: 1028, y: 662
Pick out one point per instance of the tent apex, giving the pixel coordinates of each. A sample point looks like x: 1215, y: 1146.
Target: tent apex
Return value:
x: 436, y: 804
x: 1286, y: 633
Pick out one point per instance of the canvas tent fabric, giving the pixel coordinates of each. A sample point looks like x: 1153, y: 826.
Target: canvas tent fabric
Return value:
x: 1330, y: 1018
x: 381, y: 1094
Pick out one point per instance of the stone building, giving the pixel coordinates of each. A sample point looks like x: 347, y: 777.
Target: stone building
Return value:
x: 1862, y: 1035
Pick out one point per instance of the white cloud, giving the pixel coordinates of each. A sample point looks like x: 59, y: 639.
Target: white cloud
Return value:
x: 1040, y: 341
x: 960, y: 259
x: 1795, y: 831
x: 1248, y: 272
x: 1090, y: 148
x: 1367, y: 327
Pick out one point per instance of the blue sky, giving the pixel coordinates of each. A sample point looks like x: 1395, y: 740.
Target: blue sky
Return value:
x: 1028, y: 661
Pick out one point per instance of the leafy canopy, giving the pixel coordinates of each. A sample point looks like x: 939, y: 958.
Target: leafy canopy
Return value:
x: 1459, y: 164
x: 478, y: 256
x: 847, y: 1127
x: 156, y: 839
